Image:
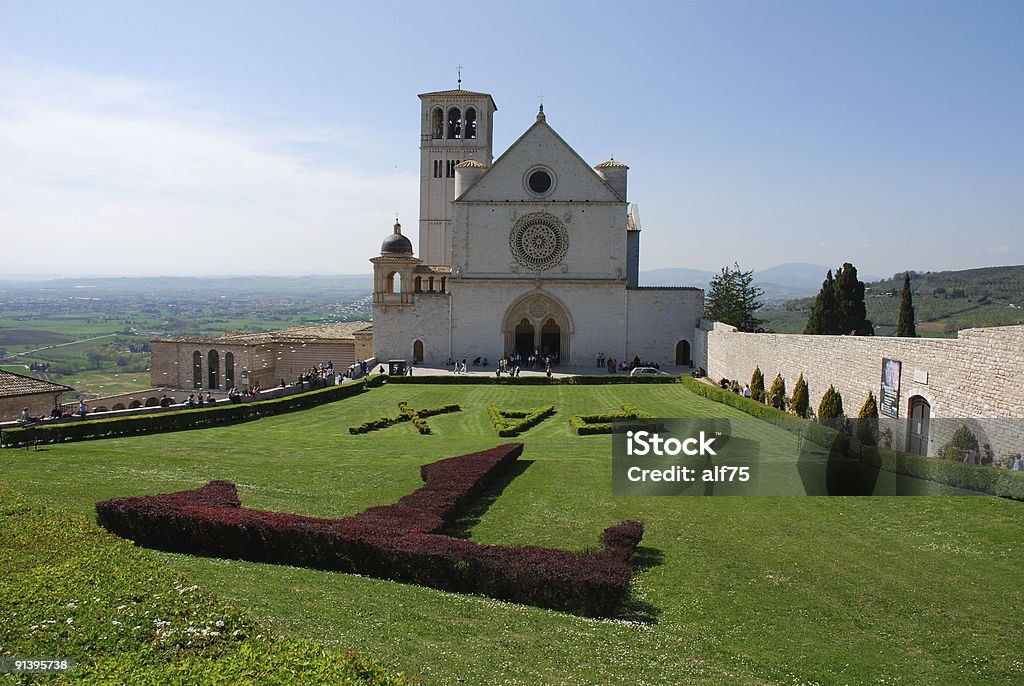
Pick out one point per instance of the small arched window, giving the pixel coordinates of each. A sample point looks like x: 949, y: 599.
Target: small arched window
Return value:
x: 437, y: 123
x: 470, y: 123
x: 419, y: 284
x: 430, y: 284
x: 444, y: 282
x: 197, y: 369
x: 454, y: 123
x: 394, y: 282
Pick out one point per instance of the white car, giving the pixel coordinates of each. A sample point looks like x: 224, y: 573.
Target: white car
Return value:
x: 647, y: 371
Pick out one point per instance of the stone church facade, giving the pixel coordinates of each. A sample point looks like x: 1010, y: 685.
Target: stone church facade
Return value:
x: 534, y: 251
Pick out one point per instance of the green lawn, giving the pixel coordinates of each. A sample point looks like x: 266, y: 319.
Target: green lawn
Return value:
x: 730, y: 590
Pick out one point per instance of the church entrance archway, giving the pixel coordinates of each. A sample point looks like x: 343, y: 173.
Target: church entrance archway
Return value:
x: 537, y: 322
x: 683, y: 354
x: 550, y: 338
x: 524, y: 338
x: 417, y: 351
x: 918, y: 423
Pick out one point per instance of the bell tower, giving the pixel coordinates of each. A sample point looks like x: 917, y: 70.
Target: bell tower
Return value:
x: 455, y: 126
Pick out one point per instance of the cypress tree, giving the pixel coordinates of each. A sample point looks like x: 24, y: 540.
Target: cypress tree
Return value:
x: 851, y: 313
x: 867, y: 421
x: 757, y: 385
x: 777, y: 393
x: 800, y: 402
x: 906, y: 327
x: 822, y: 319
x: 831, y: 405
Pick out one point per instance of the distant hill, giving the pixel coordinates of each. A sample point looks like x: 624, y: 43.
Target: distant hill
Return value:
x: 780, y: 283
x: 944, y: 302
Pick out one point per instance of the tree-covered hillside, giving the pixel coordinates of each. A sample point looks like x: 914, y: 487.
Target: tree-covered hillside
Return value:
x: 944, y: 302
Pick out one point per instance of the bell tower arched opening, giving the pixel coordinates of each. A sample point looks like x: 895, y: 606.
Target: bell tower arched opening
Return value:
x: 454, y: 123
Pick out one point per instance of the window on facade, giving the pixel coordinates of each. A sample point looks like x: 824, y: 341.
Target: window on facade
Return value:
x: 454, y: 123
x: 437, y: 123
x: 437, y: 169
x: 470, y: 123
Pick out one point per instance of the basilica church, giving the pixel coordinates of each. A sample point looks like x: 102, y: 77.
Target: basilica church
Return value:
x: 533, y: 251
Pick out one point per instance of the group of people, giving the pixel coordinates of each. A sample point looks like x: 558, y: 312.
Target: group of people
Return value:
x: 357, y: 370
x: 197, y: 400
x: 318, y: 376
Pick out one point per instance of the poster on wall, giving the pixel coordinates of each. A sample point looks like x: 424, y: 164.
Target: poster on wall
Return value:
x: 890, y: 394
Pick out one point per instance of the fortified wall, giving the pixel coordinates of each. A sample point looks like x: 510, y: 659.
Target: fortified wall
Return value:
x: 979, y: 374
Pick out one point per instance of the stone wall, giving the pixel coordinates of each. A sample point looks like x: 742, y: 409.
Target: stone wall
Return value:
x: 38, y: 404
x: 977, y: 375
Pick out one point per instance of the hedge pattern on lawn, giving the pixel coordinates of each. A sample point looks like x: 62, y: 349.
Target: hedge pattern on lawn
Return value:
x: 591, y: 424
x: 160, y: 422
x: 511, y: 423
x: 398, y: 541
x: 405, y: 414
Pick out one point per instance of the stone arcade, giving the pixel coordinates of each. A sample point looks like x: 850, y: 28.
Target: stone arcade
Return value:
x: 534, y: 251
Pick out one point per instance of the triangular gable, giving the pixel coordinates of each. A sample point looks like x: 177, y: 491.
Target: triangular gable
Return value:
x: 540, y: 145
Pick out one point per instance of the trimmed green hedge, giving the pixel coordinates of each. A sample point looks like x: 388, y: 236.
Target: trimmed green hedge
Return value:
x: 593, y: 424
x: 405, y: 414
x: 595, y: 380
x: 160, y: 422
x: 812, y: 431
x: 503, y: 419
x: 991, y: 480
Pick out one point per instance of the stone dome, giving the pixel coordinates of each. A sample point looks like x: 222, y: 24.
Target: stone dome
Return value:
x: 396, y: 243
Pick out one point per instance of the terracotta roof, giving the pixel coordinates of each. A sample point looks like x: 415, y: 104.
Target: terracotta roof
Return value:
x: 470, y: 164
x: 433, y: 269
x: 295, y: 334
x: 612, y: 164
x: 12, y: 384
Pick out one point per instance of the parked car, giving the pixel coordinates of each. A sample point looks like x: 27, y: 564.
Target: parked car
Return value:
x: 647, y: 371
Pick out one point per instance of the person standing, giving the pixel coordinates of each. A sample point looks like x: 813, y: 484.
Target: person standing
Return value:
x: 82, y: 409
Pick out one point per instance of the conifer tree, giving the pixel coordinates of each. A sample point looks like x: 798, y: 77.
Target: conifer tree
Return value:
x: 822, y: 319
x: 906, y: 327
x: 831, y: 405
x: 800, y: 402
x: 778, y: 390
x: 867, y: 421
x: 851, y: 311
x: 732, y: 298
x: 757, y: 385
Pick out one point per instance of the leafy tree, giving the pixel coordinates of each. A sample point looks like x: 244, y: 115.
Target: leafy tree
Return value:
x: 733, y: 298
x: 839, y: 308
x: 851, y: 310
x: 831, y: 405
x: 906, y: 327
x: 822, y: 319
x: 800, y: 402
x: 777, y: 393
x: 757, y: 385
x: 867, y: 421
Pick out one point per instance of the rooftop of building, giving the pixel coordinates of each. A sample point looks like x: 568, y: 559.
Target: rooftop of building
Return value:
x: 294, y: 334
x: 13, y: 384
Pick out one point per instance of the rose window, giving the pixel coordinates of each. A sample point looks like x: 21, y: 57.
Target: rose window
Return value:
x: 539, y: 241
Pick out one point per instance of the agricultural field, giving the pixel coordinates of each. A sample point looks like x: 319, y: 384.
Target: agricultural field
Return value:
x: 93, y: 334
x: 753, y: 590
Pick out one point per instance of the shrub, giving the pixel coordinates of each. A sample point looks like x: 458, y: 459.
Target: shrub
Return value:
x: 398, y: 541
x: 512, y: 423
x: 592, y: 424
x: 405, y: 414
x: 800, y: 401
x: 963, y: 440
x: 757, y: 385
x: 590, y: 380
x: 867, y: 422
x: 999, y: 482
x: 777, y: 393
x: 831, y: 406
x: 160, y: 422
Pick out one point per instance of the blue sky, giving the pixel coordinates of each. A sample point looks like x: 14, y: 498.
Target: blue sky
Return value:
x: 281, y: 138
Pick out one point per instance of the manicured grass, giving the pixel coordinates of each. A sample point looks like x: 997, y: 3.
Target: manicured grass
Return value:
x: 730, y: 590
x: 70, y: 590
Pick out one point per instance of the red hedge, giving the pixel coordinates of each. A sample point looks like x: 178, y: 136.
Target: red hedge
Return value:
x: 398, y: 541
